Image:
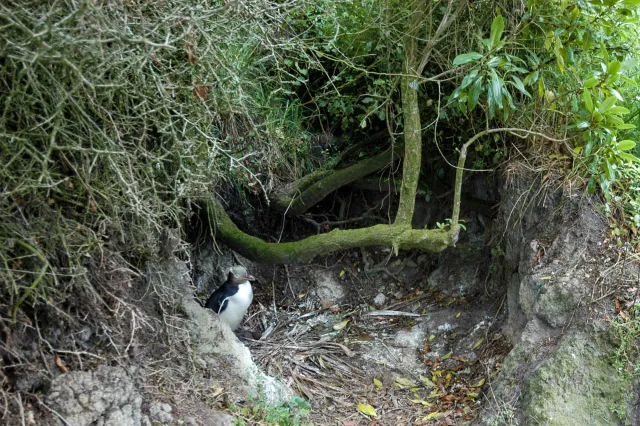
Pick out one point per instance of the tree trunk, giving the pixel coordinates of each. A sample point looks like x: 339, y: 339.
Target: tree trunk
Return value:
x: 412, y: 126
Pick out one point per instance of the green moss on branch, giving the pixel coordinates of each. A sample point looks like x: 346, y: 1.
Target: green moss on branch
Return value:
x: 303, y: 251
x: 301, y: 195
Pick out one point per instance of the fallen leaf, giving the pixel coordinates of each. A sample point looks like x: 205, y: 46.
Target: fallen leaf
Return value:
x: 61, y: 365
x: 618, y: 307
x: 367, y: 409
x: 477, y: 385
x: 477, y: 343
x: 458, y: 314
x: 377, y: 382
x: 427, y: 381
x: 342, y: 324
x: 403, y: 383
x: 342, y: 273
x: 471, y: 396
x: 432, y: 416
x: 421, y: 401
x: 446, y: 357
x: 431, y: 337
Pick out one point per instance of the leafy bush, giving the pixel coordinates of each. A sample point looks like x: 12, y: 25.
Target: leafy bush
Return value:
x: 290, y: 413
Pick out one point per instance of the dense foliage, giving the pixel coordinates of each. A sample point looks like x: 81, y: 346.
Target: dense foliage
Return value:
x: 116, y: 114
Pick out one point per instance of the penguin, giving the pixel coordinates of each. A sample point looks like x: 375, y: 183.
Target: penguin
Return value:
x: 232, y: 299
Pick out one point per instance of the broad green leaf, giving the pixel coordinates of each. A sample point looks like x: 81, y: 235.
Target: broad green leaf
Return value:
x: 617, y: 94
x: 625, y: 145
x: 548, y: 41
x: 494, y: 61
x: 541, y: 87
x: 614, y: 67
x: 628, y: 157
x: 582, y: 125
x: 631, y: 2
x: 367, y: 409
x: 607, y: 104
x: 591, y: 82
x: 496, y: 88
x: 619, y: 110
x: 531, y: 78
x: 468, y: 79
x: 591, y: 186
x: 466, y: 58
x: 519, y: 85
x: 626, y: 126
x: 588, y: 102
x: 474, y: 94
x: 497, y: 26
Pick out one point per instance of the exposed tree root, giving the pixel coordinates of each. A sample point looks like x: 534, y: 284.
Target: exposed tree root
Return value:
x: 303, y: 251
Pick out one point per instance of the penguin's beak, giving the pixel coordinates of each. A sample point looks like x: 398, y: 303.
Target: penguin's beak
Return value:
x: 249, y: 277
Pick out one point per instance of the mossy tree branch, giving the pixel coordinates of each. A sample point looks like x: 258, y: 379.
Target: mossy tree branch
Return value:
x: 304, y: 193
x: 412, y: 126
x: 303, y: 251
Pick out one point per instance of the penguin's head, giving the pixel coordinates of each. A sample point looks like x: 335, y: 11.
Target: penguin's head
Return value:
x: 238, y: 275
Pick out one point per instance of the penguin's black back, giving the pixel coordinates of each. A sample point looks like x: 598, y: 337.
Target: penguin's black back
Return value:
x: 218, y: 300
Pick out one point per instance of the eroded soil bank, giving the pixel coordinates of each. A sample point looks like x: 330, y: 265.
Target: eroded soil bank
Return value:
x: 509, y: 327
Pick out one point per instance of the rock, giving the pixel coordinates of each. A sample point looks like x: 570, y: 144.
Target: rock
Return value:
x: 577, y: 386
x: 161, y: 412
x: 106, y: 396
x: 327, y: 288
x: 380, y: 299
x: 216, y: 344
x: 413, y: 338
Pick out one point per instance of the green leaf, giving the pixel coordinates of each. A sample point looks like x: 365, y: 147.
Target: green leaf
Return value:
x: 519, y: 85
x: 614, y: 67
x: 619, y: 110
x: 625, y: 145
x: 631, y: 2
x: 466, y: 58
x: 617, y: 94
x: 588, y: 102
x: 531, y: 78
x: 496, y: 31
x: 474, y: 94
x: 607, y: 104
x: 628, y: 157
x: 496, y: 88
x: 469, y: 78
x: 626, y: 126
x: 591, y: 82
x: 591, y: 187
x: 582, y: 125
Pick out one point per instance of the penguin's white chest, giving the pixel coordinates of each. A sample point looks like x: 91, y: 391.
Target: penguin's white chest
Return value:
x: 237, y: 305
